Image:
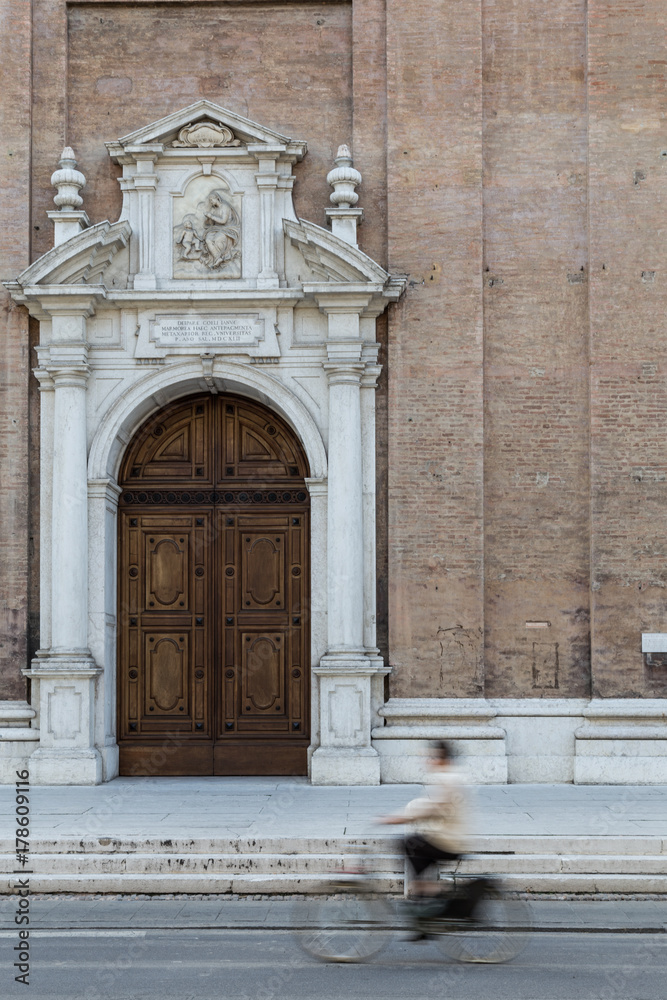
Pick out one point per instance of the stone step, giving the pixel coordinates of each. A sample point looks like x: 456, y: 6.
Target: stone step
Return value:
x: 287, y: 845
x: 230, y: 864
x: 306, y: 884
x: 283, y: 864
x: 322, y: 865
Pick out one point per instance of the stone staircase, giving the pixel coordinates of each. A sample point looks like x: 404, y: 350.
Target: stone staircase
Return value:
x: 284, y: 865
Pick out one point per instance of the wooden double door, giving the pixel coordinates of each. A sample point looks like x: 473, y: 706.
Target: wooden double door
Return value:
x: 213, y: 623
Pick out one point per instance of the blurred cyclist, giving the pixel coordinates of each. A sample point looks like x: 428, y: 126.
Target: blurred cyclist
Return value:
x: 439, y: 821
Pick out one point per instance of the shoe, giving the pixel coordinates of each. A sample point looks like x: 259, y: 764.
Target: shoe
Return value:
x: 418, y: 936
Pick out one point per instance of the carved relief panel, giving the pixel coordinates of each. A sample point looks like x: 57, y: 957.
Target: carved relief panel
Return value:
x: 207, y: 231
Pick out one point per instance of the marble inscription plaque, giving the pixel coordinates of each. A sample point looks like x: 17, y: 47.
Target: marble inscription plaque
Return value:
x: 207, y: 331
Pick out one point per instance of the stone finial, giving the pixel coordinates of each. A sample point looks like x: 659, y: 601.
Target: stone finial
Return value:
x: 344, y: 179
x: 68, y: 180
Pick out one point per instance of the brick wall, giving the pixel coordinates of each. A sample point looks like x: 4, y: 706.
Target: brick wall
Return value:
x: 15, y: 63
x: 628, y: 301
x: 536, y: 277
x: 512, y: 162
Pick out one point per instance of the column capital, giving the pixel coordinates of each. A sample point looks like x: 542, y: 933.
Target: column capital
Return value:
x: 44, y: 378
x: 104, y: 489
x: 369, y: 378
x: 343, y: 302
x: 72, y: 376
x: 316, y: 487
x: 344, y: 372
x: 79, y: 304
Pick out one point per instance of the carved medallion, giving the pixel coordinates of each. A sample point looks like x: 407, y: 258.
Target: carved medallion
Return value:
x: 207, y: 233
x: 205, y: 135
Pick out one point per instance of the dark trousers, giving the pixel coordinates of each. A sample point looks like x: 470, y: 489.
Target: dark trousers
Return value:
x: 421, y: 853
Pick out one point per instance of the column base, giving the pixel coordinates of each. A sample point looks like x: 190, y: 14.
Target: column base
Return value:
x: 345, y: 766
x: 67, y: 754
x: 65, y: 767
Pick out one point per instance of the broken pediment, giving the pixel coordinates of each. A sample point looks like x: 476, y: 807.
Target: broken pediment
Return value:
x: 83, y: 259
x: 331, y: 258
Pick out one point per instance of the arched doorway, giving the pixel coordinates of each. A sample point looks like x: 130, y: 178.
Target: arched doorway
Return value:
x: 213, y: 613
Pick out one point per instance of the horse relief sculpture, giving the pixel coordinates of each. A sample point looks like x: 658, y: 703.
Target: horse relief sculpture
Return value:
x: 207, y: 241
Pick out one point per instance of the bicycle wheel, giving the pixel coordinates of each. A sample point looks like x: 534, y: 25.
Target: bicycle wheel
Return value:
x: 498, y: 931
x: 349, y: 925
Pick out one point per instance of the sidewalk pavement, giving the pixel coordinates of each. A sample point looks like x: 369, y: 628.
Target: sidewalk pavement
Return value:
x: 67, y: 913
x: 222, y: 807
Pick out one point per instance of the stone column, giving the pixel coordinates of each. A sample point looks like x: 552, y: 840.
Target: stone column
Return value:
x: 69, y: 565
x: 104, y: 617
x: 345, y: 511
x: 368, y: 388
x: 66, y: 670
x: 345, y: 755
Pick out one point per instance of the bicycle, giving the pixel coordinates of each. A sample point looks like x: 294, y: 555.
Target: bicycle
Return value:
x: 474, y: 920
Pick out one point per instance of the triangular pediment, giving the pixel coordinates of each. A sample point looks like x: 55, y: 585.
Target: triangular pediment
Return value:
x: 186, y: 128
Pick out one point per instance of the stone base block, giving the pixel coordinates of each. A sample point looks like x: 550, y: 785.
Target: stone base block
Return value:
x: 18, y: 740
x: 14, y: 756
x: 66, y: 767
x: 342, y: 766
x: 622, y: 742
x: 539, y: 737
x: 542, y: 769
x: 405, y: 760
x: 110, y: 761
x: 621, y: 762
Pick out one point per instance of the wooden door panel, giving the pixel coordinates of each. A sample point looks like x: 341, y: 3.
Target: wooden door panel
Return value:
x: 167, y: 572
x: 164, y: 643
x: 213, y: 601
x: 258, y: 446
x: 174, y: 448
x: 262, y: 570
x: 167, y: 668
x: 263, y: 675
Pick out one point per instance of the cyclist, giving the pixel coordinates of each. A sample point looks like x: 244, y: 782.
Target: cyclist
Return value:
x: 439, y: 821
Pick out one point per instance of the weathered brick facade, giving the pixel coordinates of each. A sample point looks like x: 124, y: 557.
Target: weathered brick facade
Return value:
x: 514, y: 159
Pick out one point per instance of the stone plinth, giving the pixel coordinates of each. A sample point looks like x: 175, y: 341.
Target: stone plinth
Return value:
x: 622, y: 741
x: 412, y: 723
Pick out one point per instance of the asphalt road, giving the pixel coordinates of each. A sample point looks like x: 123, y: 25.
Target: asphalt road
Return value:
x: 223, y: 964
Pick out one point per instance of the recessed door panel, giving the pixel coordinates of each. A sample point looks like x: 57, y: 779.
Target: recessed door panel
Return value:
x: 263, y: 673
x: 167, y: 571
x: 167, y: 669
x: 263, y: 570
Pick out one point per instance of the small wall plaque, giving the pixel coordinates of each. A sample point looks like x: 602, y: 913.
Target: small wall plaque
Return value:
x: 654, y: 642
